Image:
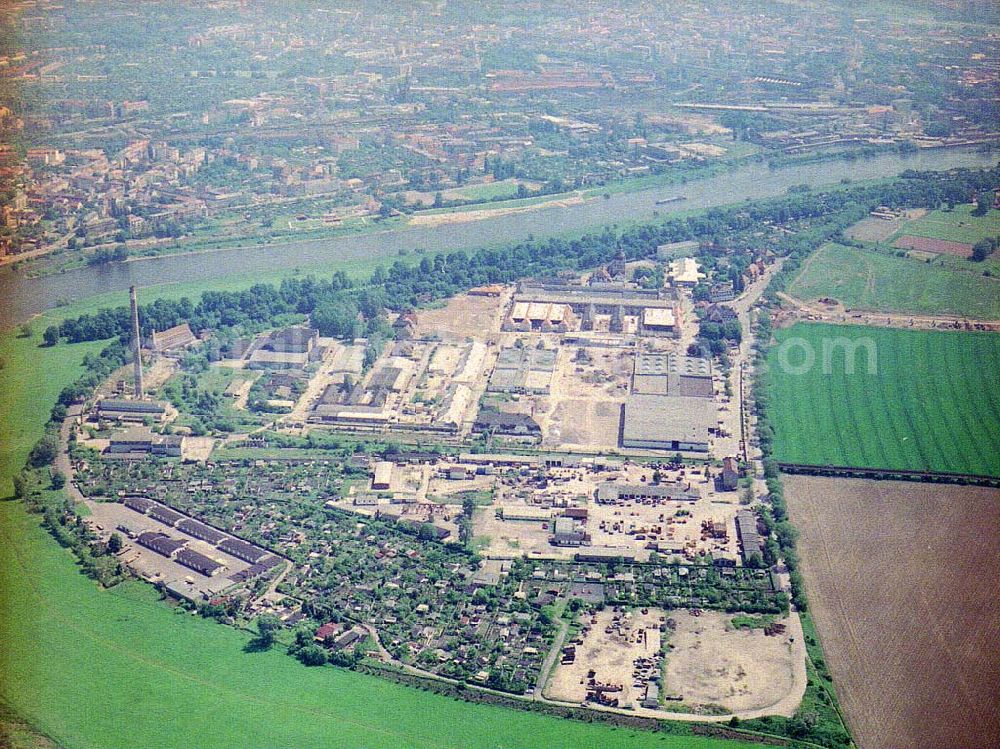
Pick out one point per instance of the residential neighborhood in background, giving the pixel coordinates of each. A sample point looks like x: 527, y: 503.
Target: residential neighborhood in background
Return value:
x: 230, y: 121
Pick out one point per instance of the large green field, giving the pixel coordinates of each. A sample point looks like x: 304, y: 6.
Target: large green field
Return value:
x: 118, y: 668
x: 933, y: 402
x: 958, y: 225
x: 870, y: 280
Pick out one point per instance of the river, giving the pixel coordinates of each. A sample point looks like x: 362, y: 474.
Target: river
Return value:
x: 21, y: 296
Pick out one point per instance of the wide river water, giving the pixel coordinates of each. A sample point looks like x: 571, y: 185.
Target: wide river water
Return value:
x: 21, y: 296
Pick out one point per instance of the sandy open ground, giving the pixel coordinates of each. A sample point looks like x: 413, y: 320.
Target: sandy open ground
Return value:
x: 155, y: 376
x: 463, y: 316
x: 586, y: 400
x: 462, y: 217
x: 711, y: 663
x: 610, y: 655
x: 514, y: 538
x: 902, y: 584
x: 584, y: 425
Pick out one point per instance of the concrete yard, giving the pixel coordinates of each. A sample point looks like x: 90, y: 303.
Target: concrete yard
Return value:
x: 680, y: 527
x: 634, y: 524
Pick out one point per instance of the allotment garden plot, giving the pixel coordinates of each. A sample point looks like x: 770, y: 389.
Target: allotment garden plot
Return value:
x: 933, y: 403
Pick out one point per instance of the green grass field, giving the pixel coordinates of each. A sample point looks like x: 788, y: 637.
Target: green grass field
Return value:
x: 503, y: 189
x: 864, y: 279
x: 16, y: 734
x: 30, y: 380
x: 118, y: 668
x: 932, y: 404
x: 957, y: 225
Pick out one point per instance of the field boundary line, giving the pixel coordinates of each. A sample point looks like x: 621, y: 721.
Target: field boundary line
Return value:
x: 890, y: 474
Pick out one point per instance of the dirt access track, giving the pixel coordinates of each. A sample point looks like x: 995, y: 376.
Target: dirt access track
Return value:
x: 902, y: 585
x: 795, y: 310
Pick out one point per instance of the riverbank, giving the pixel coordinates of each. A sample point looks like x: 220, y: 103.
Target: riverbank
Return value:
x: 21, y: 296
x: 58, y: 261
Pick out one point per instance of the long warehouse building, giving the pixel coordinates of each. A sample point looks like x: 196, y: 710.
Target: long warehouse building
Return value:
x: 665, y: 422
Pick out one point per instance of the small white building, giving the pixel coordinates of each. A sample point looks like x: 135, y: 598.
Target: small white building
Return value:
x: 684, y: 272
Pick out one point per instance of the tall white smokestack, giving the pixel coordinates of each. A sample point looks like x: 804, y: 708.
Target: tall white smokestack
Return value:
x: 136, y: 343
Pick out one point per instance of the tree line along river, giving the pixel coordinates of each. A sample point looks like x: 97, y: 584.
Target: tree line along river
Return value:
x: 22, y: 296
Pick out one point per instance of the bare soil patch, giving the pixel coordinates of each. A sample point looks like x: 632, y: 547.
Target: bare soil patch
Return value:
x: 463, y: 317
x: 712, y: 663
x: 902, y: 586
x: 610, y: 649
x: 586, y: 424
x: 154, y: 377
x: 937, y: 246
x: 506, y: 539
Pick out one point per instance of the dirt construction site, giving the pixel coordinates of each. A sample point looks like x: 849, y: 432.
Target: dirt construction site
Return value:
x: 612, y: 649
x: 709, y: 662
x: 902, y: 587
x: 588, y: 391
x: 697, y: 661
x: 464, y: 316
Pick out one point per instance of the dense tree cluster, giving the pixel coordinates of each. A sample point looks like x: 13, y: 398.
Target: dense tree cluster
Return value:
x: 984, y: 248
x: 61, y: 519
x: 96, y: 368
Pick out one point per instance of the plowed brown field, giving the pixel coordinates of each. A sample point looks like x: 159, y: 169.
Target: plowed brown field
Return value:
x: 927, y: 244
x: 902, y: 581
